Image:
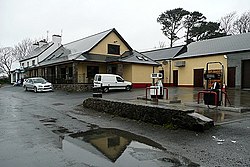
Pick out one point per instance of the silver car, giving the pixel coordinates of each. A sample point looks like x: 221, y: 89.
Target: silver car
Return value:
x: 37, y: 84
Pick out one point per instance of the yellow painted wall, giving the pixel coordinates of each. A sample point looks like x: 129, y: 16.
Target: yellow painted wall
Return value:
x: 141, y: 73
x: 127, y: 72
x: 186, y: 74
x: 102, y: 47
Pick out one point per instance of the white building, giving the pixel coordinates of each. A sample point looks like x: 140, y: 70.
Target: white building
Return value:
x: 40, y: 51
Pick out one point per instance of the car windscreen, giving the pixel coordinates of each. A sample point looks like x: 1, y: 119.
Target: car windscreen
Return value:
x: 40, y: 80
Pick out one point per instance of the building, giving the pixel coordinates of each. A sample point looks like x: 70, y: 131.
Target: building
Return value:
x: 73, y: 65
x: 232, y: 51
x: 164, y: 56
x: 185, y: 66
x: 40, y: 51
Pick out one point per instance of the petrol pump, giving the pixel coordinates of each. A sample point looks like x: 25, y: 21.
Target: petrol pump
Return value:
x: 156, y: 89
x: 214, y: 83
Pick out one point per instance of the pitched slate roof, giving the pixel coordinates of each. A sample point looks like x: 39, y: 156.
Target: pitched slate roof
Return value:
x: 39, y: 50
x: 79, y: 49
x: 222, y: 45
x: 86, y: 44
x: 136, y: 57
x: 164, y: 53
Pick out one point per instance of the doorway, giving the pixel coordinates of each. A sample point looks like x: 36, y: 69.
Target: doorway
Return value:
x: 246, y: 74
x: 198, y: 77
x: 231, y: 76
x: 175, y: 77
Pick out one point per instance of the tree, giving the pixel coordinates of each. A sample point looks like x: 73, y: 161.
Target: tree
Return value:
x: 23, y: 49
x: 6, y: 59
x: 171, y: 21
x: 162, y: 44
x: 242, y: 24
x: 193, y: 19
x: 227, y: 22
x: 206, y: 30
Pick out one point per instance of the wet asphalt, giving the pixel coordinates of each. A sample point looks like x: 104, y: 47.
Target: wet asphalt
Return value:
x: 52, y: 129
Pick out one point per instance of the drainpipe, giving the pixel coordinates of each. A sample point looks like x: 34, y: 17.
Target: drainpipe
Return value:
x: 153, y: 81
x: 170, y: 71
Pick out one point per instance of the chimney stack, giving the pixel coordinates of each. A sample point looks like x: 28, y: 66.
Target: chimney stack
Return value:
x: 35, y: 45
x: 57, y: 40
x: 42, y: 42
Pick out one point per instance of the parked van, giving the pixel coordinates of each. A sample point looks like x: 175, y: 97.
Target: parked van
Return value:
x: 111, y: 82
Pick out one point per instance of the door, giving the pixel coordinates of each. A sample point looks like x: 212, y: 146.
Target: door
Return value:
x: 175, y: 78
x: 198, y: 77
x: 162, y: 72
x: 246, y: 74
x: 231, y: 76
x: 91, y: 71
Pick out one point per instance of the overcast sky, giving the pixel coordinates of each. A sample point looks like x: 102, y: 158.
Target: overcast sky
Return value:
x: 135, y: 20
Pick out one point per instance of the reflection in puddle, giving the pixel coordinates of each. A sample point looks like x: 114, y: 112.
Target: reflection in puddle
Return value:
x: 216, y: 115
x: 113, y: 147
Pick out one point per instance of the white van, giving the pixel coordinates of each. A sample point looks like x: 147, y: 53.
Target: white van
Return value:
x: 111, y: 82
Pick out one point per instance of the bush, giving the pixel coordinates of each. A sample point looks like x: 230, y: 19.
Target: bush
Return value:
x: 4, y: 80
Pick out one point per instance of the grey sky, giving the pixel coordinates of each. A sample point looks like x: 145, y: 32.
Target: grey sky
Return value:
x: 135, y: 20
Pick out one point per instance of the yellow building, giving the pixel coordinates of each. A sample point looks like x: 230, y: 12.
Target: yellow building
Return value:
x: 186, y: 65
x: 74, y: 64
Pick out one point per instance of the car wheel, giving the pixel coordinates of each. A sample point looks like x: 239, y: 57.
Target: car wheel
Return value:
x: 35, y: 89
x: 105, y: 89
x: 128, y: 88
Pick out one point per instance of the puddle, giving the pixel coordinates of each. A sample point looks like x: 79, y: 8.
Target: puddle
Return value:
x: 61, y: 131
x: 113, y: 147
x: 217, y: 116
x: 57, y: 104
x: 48, y: 120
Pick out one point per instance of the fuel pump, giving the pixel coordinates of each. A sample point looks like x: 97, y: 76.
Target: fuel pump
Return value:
x: 156, y: 90
x: 214, y: 84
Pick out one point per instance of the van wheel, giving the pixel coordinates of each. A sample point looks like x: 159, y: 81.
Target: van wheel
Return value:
x: 128, y: 88
x: 105, y: 90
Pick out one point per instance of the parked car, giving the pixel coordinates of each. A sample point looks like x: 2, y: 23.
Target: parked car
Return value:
x: 111, y: 82
x: 37, y: 84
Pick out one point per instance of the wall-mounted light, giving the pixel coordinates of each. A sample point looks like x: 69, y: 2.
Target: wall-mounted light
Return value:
x: 225, y: 56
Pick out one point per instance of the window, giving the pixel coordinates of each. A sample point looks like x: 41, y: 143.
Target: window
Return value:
x: 119, y: 79
x: 113, y: 49
x: 70, y: 71
x: 22, y: 64
x: 28, y: 64
x: 33, y: 62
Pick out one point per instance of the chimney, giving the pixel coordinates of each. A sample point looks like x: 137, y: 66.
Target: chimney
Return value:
x: 57, y: 40
x: 35, y: 45
x: 42, y: 42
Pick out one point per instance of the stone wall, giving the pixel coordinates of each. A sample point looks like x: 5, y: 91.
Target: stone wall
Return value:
x: 160, y: 115
x: 74, y: 87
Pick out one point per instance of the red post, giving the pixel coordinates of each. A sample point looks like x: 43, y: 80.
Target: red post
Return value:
x: 206, y: 91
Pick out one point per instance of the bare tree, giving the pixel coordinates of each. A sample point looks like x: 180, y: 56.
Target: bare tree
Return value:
x: 162, y: 44
x: 242, y: 24
x: 23, y: 49
x: 6, y: 59
x: 227, y: 22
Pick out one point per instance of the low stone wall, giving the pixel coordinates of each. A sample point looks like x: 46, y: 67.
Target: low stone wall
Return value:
x: 74, y: 87
x: 160, y: 115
